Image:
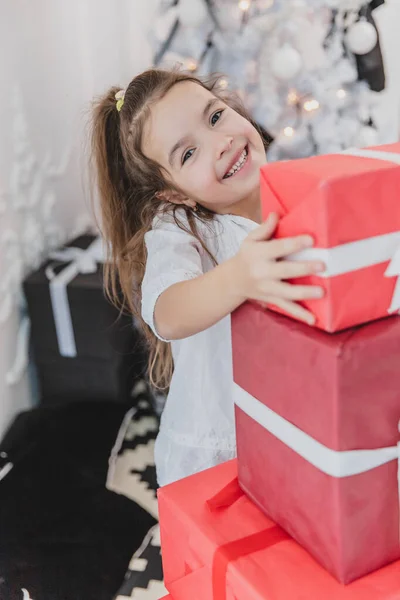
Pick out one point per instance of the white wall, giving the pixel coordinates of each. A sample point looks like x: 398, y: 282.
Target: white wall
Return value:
x: 55, y: 56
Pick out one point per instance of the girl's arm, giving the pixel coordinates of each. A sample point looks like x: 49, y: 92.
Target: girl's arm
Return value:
x: 256, y: 272
x: 192, y: 306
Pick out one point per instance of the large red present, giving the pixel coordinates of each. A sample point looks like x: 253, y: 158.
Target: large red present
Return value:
x: 217, y: 545
x: 350, y: 204
x: 317, y: 434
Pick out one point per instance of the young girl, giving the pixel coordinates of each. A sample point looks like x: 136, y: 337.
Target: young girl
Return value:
x: 178, y: 176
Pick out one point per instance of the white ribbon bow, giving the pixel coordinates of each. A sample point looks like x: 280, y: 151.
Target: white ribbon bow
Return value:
x: 85, y: 260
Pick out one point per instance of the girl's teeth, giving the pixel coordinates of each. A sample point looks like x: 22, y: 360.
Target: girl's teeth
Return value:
x: 238, y: 165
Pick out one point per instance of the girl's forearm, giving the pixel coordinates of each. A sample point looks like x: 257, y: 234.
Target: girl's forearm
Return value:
x: 189, y: 307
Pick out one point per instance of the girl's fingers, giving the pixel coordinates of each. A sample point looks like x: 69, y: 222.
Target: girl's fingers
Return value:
x: 286, y: 269
x: 284, y: 247
x: 287, y: 291
x: 266, y: 230
x: 293, y: 309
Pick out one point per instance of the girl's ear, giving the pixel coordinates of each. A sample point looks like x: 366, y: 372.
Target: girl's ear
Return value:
x: 176, y: 198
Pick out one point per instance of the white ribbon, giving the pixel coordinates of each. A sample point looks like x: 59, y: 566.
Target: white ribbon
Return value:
x: 392, y: 157
x: 83, y: 261
x: 335, y: 463
x: 358, y: 255
x: 363, y: 253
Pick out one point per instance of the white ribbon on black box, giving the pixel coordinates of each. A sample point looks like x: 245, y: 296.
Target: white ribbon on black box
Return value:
x: 81, y: 261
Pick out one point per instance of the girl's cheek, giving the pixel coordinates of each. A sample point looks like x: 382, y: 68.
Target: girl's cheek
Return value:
x: 199, y: 177
x: 193, y: 184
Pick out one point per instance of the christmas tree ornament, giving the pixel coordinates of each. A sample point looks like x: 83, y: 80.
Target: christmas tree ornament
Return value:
x: 286, y: 62
x: 361, y: 37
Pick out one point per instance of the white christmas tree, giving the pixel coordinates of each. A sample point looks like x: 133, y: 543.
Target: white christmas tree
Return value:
x: 307, y: 70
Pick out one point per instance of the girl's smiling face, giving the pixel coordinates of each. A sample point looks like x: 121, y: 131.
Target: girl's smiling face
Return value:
x: 208, y: 150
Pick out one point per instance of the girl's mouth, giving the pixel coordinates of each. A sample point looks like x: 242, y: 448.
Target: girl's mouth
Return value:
x: 239, y: 164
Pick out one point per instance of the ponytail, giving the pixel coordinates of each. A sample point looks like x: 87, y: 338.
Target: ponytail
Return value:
x: 126, y: 215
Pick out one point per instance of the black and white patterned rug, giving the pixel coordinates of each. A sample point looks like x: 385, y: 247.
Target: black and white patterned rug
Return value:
x: 132, y: 474
x: 64, y: 534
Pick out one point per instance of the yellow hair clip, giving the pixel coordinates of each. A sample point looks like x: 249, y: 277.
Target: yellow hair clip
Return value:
x: 119, y: 96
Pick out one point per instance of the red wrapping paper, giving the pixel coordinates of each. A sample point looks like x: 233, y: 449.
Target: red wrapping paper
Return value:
x: 343, y: 390
x: 339, y: 199
x: 192, y: 534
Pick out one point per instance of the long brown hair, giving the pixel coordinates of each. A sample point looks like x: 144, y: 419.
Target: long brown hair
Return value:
x: 128, y: 184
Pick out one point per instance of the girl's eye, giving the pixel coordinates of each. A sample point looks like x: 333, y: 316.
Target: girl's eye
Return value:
x: 187, y: 155
x: 216, y: 116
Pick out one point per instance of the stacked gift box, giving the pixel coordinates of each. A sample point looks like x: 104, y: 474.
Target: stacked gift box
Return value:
x: 83, y: 347
x: 310, y: 509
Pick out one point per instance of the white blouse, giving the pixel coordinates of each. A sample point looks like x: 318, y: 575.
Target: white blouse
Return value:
x: 197, y: 426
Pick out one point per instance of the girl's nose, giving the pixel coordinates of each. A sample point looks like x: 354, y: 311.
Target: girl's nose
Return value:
x: 225, y: 144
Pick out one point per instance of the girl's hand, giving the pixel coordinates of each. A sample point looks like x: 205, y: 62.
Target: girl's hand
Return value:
x: 262, y: 270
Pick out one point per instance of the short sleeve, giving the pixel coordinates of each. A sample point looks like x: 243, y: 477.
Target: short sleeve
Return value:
x: 173, y: 255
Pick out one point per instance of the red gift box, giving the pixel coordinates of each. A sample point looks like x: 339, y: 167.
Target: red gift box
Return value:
x: 317, y: 434
x: 217, y: 545
x: 350, y: 205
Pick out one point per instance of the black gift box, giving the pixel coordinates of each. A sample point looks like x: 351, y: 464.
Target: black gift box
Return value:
x: 63, y: 379
x: 99, y: 330
x: 110, y: 354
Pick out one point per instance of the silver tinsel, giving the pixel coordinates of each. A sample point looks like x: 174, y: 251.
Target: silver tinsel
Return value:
x: 289, y: 61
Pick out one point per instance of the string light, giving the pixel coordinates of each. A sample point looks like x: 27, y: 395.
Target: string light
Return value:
x: 191, y: 65
x: 292, y: 97
x: 341, y: 94
x: 244, y: 5
x: 223, y: 83
x: 288, y: 132
x: 311, y: 105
